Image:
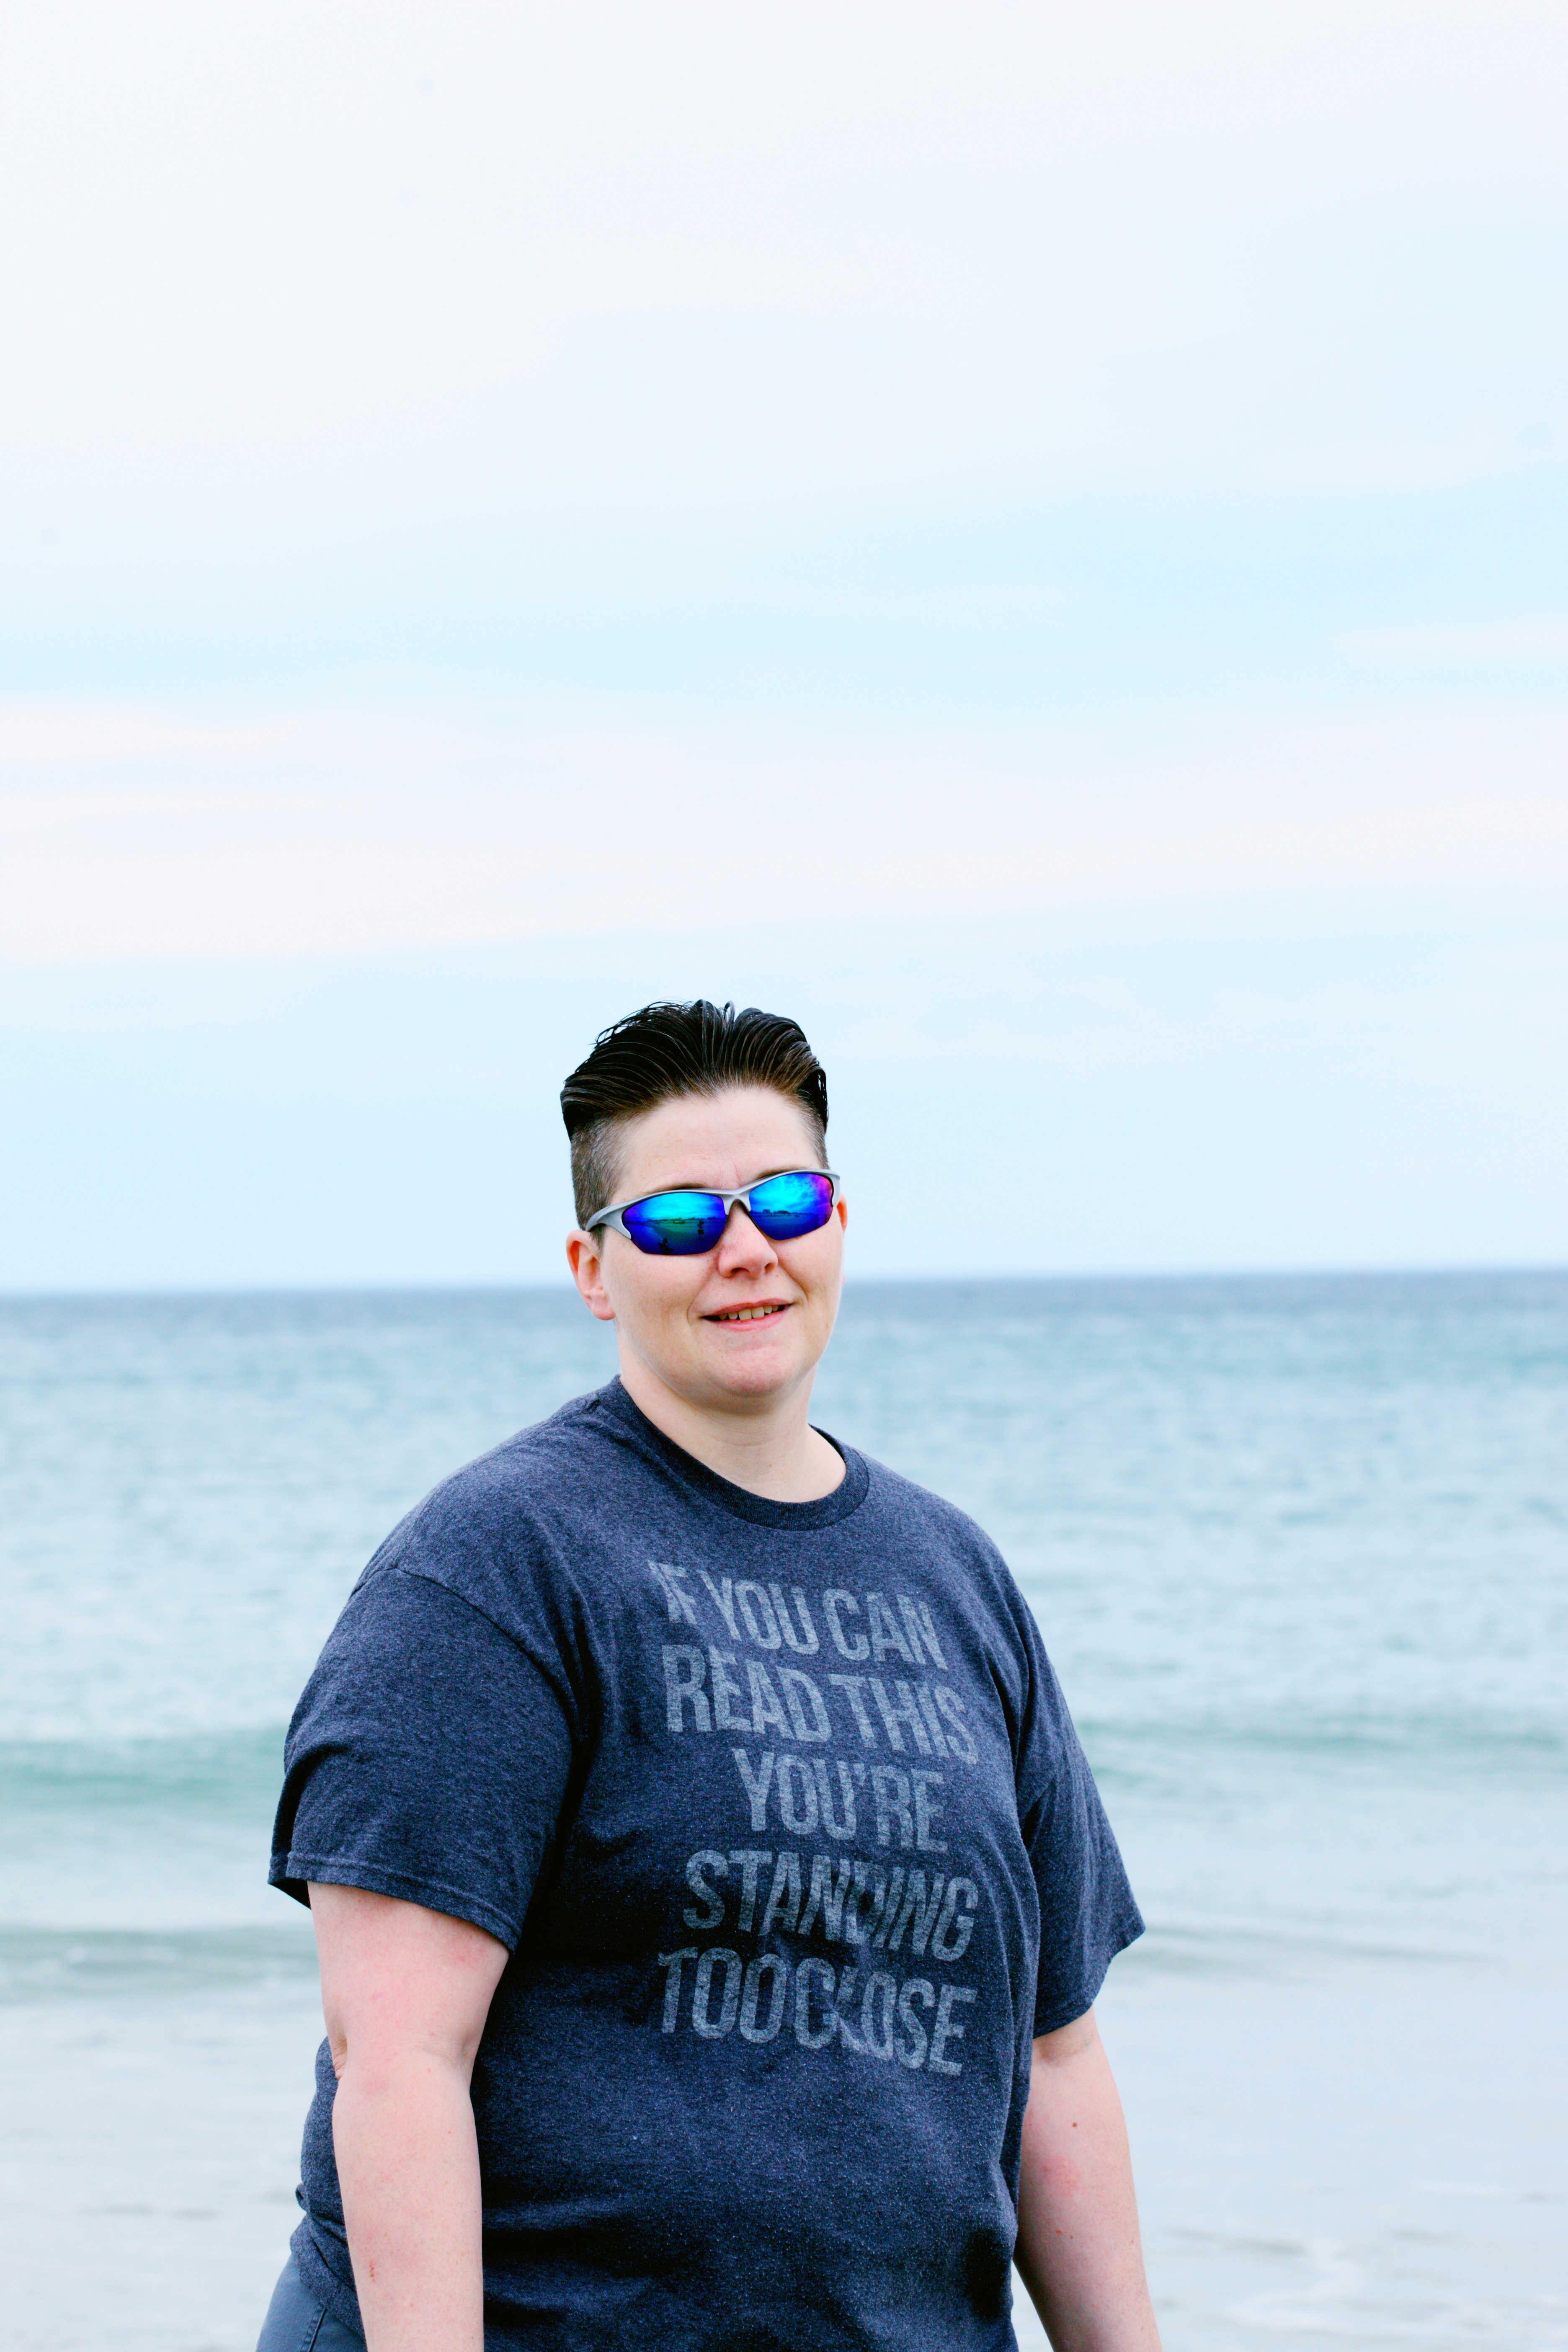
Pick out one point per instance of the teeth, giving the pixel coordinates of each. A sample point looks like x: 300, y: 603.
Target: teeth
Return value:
x: 746, y: 1314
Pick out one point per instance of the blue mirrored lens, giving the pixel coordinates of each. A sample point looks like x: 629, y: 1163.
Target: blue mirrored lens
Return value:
x: 675, y: 1224
x: 787, y: 1205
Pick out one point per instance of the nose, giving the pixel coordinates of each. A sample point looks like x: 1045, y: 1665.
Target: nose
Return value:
x: 742, y: 1247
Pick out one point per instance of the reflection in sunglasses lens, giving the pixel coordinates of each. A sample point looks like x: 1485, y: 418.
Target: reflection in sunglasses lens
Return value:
x: 680, y: 1225
x: 787, y: 1205
x: 676, y: 1224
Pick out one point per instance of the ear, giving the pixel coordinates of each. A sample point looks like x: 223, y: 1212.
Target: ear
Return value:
x: 585, y: 1256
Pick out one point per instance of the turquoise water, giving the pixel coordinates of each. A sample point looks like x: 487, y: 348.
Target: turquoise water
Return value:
x: 1299, y: 1547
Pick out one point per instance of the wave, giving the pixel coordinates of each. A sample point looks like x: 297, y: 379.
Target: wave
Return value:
x: 52, y: 1963
x: 1473, y: 1744
x: 235, y: 1775
x: 235, y: 1771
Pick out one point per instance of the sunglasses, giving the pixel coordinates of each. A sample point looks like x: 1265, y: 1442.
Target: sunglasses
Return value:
x: 684, y: 1224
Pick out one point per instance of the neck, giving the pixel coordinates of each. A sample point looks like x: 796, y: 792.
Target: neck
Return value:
x: 770, y: 1450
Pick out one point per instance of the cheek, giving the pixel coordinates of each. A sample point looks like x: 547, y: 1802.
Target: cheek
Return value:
x: 826, y: 1249
x: 816, y: 1263
x: 657, y: 1290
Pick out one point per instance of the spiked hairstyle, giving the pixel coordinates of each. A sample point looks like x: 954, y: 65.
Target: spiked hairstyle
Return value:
x: 679, y: 1049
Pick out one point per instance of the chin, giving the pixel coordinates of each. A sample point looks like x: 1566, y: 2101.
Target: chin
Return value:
x: 756, y: 1374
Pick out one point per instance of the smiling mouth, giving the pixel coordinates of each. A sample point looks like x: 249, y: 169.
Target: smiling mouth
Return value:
x: 748, y: 1314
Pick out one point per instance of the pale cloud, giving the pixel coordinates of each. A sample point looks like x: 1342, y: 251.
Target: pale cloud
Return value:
x: 143, y: 834
x: 1518, y: 640
x: 38, y: 737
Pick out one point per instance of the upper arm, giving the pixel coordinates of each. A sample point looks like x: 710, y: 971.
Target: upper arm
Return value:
x: 396, y: 1977
x: 1060, y: 2061
x: 1065, y: 2042
x: 1087, y: 1911
x: 429, y: 1761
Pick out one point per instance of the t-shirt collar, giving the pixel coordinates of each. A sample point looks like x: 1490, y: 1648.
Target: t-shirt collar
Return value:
x: 825, y: 1511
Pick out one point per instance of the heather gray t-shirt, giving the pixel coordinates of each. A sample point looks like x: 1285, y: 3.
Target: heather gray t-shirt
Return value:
x: 780, y: 1813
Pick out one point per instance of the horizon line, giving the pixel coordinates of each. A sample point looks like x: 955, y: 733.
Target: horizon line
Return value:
x: 173, y: 1294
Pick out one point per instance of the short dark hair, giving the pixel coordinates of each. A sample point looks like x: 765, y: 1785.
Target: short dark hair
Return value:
x: 668, y: 1050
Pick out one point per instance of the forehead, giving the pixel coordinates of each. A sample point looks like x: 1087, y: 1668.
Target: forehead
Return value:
x: 725, y: 1140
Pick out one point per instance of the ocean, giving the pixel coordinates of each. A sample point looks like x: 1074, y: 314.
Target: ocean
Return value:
x: 1299, y: 1550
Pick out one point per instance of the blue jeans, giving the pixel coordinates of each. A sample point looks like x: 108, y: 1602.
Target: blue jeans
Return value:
x: 295, y: 2321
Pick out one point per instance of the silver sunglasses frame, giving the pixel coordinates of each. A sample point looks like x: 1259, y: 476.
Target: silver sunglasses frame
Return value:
x: 615, y: 1216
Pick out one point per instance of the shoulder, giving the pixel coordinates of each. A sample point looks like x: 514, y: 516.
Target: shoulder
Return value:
x: 537, y: 1467
x: 497, y: 1524
x: 981, y: 1589
x: 932, y: 1517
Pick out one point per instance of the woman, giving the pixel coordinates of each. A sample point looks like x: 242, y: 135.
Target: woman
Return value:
x: 710, y: 1890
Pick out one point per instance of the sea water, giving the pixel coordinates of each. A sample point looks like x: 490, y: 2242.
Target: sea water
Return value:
x: 1298, y: 1548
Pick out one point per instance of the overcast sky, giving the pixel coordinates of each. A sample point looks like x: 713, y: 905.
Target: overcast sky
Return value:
x: 1032, y: 536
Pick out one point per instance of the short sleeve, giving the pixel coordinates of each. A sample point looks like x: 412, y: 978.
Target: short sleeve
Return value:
x: 1087, y: 1913
x: 430, y: 1759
